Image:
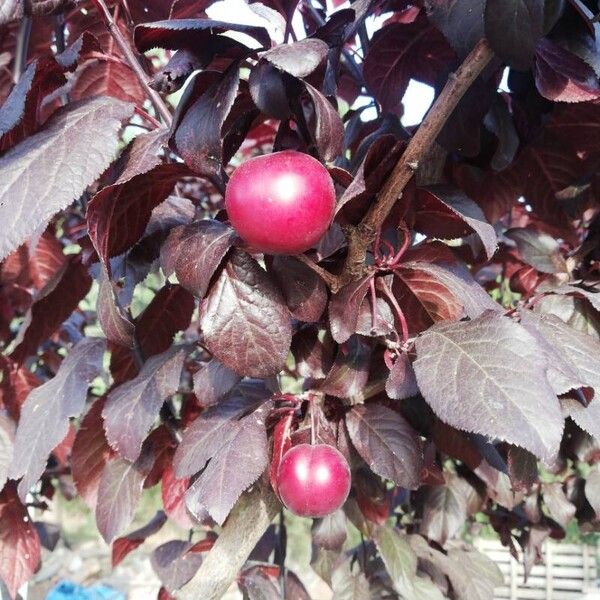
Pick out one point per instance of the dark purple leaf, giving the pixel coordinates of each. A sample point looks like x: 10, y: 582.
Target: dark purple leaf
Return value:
x: 41, y: 175
x: 473, y: 574
x: 328, y: 129
x: 570, y: 354
x: 400, y: 52
x: 522, y: 468
x: 52, y: 306
x: 401, y: 382
x: 257, y: 585
x: 210, y: 432
x: 347, y: 585
x: 592, y: 296
x: 384, y: 322
x: 398, y: 557
x: 562, y: 76
x: 538, y: 249
x: 49, y: 534
x: 379, y: 159
x: 500, y: 122
x: 446, y: 509
x: 488, y: 376
x: 123, y: 546
x: 330, y: 531
x: 559, y: 507
x: 45, y: 414
x: 299, y: 58
x: 350, y: 371
x: 196, y: 129
x: 387, y: 443
x: 313, y: 356
x: 132, y: 407
x: 118, y: 215
x: 175, y: 563
x: 545, y: 169
x: 461, y: 22
x: 244, y: 320
x: 190, y: 33
x: 222, y: 482
x: 169, y: 312
x: 20, y: 114
x: 268, y: 90
x: 174, y: 74
x: 107, y: 77
x: 282, y: 442
x: 111, y: 316
x: 119, y: 493
x: 462, y: 132
x: 90, y: 453
x: 213, y: 381
x: 173, y: 497
x: 295, y: 588
x: 304, y: 291
x: 446, y: 212
x: 513, y: 28
x: 193, y: 252
x: 344, y: 309
x: 429, y: 292
x: 19, y: 542
x: 573, y: 363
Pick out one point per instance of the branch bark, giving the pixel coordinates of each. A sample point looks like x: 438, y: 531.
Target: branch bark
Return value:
x: 362, y: 236
x: 243, y: 529
x: 125, y: 47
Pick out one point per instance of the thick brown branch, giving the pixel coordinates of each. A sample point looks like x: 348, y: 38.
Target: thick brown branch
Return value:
x: 244, y: 527
x: 134, y: 63
x: 458, y: 83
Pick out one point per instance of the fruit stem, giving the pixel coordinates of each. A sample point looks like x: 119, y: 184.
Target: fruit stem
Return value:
x: 313, y: 433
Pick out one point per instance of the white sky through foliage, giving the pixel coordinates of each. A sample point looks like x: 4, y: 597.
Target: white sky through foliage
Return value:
x: 418, y: 96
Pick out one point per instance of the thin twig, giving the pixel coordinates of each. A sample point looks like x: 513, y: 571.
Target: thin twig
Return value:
x: 134, y: 63
x: 22, y: 49
x: 364, y: 234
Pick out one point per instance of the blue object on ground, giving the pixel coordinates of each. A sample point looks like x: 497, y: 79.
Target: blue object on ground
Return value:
x: 67, y: 590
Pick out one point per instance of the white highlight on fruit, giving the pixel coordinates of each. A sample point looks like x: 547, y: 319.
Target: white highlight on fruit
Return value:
x: 286, y: 186
x: 322, y: 474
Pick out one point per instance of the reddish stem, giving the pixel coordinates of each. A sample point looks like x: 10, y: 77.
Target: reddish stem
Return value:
x: 405, y: 245
x: 399, y: 312
x: 154, y: 122
x: 374, y: 314
x: 311, y: 408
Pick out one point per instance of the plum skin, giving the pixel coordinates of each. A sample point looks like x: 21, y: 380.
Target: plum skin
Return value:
x: 313, y: 481
x: 280, y: 203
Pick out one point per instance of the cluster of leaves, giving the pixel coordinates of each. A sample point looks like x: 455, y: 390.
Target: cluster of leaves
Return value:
x: 461, y: 363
